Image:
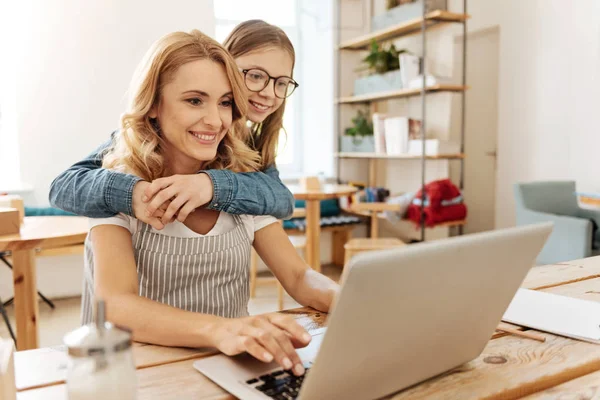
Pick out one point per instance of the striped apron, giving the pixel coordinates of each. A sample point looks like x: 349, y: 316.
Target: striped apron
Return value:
x: 204, y: 274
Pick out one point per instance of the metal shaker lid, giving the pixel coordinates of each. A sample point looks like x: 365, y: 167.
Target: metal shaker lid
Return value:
x: 99, y: 337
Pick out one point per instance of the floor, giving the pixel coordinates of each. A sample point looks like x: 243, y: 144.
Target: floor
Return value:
x: 54, y: 324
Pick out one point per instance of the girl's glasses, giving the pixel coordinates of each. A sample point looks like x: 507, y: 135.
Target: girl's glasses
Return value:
x: 257, y: 79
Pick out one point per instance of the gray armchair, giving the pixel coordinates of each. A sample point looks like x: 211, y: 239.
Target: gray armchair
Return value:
x: 575, y: 228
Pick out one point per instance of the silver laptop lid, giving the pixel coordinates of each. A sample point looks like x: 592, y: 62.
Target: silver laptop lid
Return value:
x: 407, y: 314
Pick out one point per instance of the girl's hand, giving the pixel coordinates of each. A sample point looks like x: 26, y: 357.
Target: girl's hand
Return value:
x: 180, y: 194
x: 265, y: 337
x: 139, y: 207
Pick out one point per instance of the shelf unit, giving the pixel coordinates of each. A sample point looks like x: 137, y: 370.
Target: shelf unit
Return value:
x: 421, y: 25
x: 398, y: 94
x: 432, y: 19
x: 375, y: 156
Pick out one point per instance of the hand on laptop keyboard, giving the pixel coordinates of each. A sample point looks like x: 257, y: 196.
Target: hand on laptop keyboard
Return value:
x: 265, y: 337
x: 279, y: 385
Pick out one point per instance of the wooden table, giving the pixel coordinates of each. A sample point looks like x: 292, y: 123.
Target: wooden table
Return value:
x: 313, y: 216
x: 510, y: 367
x: 36, y: 233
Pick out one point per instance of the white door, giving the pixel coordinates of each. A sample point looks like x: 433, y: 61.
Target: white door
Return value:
x: 481, y: 125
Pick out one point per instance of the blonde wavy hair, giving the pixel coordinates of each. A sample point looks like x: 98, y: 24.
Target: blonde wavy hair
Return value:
x: 255, y: 35
x: 137, y: 148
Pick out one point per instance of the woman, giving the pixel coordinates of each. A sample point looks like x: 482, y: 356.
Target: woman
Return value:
x: 187, y: 285
x: 265, y: 56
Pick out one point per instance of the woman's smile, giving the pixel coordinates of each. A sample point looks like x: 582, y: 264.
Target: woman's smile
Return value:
x: 205, y: 137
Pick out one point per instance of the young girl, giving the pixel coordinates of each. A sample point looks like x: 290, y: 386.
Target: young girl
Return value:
x: 265, y: 57
x: 187, y: 285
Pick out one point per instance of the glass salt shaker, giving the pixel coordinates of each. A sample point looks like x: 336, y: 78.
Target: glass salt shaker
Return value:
x: 101, y: 362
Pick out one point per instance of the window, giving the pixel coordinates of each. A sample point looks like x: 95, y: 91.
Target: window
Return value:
x: 10, y: 175
x: 283, y: 13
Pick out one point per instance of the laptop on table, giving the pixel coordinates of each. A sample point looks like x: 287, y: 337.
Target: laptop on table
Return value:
x: 403, y: 315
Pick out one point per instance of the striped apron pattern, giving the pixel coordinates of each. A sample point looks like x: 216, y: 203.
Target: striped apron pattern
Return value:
x: 205, y: 274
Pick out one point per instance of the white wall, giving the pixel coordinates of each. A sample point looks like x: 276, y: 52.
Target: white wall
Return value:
x: 72, y: 62
x: 73, y: 70
x: 549, y: 80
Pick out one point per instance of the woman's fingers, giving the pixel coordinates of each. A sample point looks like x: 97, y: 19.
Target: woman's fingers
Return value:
x: 252, y: 347
x: 264, y: 337
x: 263, y: 340
x: 286, y: 355
x: 292, y: 327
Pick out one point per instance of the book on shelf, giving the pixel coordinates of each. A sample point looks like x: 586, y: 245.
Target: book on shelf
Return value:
x: 401, y: 135
x: 398, y: 132
x: 379, y: 132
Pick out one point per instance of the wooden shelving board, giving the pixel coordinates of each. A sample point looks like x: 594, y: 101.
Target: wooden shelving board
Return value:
x: 366, y: 214
x: 406, y: 28
x: 400, y: 156
x: 453, y: 223
x: 396, y: 94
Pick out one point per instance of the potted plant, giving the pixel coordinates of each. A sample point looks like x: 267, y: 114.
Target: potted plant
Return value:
x: 383, y: 67
x: 359, y: 137
x: 399, y: 11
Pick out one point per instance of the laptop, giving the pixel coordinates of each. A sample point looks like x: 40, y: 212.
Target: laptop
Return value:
x: 402, y: 316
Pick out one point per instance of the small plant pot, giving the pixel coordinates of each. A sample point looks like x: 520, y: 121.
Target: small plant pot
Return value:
x: 391, y: 80
x: 357, y: 144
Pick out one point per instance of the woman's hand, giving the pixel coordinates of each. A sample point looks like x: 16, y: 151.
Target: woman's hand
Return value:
x: 179, y: 195
x: 265, y: 337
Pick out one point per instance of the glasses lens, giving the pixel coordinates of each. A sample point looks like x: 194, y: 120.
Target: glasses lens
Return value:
x: 284, y: 87
x: 256, y: 80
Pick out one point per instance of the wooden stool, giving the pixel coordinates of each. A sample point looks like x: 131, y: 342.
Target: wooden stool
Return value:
x: 372, y: 210
x: 299, y: 243
x: 355, y: 246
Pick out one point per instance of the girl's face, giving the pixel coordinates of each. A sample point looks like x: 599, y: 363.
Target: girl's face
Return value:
x: 273, y: 61
x: 194, y: 114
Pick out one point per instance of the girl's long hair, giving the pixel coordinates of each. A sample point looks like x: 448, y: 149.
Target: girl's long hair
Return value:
x: 255, y: 35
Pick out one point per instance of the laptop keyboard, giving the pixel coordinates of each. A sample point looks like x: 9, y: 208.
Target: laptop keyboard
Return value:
x: 280, y: 384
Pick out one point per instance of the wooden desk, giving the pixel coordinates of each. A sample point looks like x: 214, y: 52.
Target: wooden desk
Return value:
x: 36, y: 233
x: 313, y: 216
x: 509, y: 367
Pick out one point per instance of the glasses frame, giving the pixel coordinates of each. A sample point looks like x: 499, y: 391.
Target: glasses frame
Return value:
x: 274, y: 78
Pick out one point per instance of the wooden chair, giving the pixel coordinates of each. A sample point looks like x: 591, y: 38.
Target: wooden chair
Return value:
x: 358, y: 245
x: 299, y: 243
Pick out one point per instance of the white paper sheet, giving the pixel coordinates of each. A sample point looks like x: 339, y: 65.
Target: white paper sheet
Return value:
x: 560, y: 315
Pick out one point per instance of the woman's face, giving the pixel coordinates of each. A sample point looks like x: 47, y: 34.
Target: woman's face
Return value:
x: 275, y: 62
x: 194, y: 113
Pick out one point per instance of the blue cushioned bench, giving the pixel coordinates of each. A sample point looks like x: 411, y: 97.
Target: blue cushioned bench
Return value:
x: 331, y: 216
x: 42, y: 211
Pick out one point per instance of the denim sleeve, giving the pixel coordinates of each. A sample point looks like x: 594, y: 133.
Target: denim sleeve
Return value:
x: 88, y: 189
x: 255, y: 193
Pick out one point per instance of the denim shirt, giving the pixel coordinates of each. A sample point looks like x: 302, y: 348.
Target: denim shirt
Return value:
x: 88, y: 189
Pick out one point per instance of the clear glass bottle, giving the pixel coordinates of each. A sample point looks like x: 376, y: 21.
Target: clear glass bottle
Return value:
x: 101, y: 362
